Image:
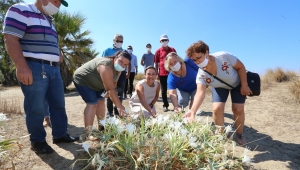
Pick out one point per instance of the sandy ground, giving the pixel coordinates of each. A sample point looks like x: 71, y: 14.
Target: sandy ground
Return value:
x: 272, y: 127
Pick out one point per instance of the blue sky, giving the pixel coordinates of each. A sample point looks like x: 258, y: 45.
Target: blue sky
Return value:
x: 262, y: 34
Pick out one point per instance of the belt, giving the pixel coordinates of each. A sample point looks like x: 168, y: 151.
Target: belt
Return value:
x: 51, y: 63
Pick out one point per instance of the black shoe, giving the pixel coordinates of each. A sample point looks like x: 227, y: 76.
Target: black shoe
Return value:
x: 166, y: 109
x: 41, y: 148
x: 65, y: 139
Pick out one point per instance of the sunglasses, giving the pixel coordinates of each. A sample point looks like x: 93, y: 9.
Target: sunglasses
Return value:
x: 119, y: 41
x: 164, y: 40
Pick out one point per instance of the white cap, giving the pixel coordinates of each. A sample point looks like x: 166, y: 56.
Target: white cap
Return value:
x: 163, y: 37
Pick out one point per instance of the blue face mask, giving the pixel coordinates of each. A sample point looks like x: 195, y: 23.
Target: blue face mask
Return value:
x: 118, y: 67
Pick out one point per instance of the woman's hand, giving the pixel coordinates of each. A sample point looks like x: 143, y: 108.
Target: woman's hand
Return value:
x: 176, y: 109
x: 122, y: 111
x: 153, y: 113
x: 245, y: 90
x: 190, y: 116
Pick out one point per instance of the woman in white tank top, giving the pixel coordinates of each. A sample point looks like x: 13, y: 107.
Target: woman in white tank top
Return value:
x: 145, y: 95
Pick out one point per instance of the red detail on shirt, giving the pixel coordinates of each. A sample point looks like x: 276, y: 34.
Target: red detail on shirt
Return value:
x: 208, y: 80
x: 160, y: 57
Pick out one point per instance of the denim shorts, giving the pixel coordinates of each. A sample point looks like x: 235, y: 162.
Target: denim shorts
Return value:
x: 88, y: 95
x: 221, y: 95
x: 185, y: 97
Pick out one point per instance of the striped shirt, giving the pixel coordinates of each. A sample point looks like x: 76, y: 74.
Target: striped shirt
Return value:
x: 38, y: 37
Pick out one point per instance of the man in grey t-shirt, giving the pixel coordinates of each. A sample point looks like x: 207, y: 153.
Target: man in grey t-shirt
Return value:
x: 148, y: 58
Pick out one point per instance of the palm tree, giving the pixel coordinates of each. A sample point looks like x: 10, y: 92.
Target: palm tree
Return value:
x: 7, y: 67
x: 73, y: 43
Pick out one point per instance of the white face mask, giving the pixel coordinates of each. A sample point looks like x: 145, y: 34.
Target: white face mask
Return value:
x: 129, y: 51
x: 204, y: 63
x: 164, y: 43
x: 148, y: 49
x: 50, y: 9
x: 118, y: 45
x: 176, y: 67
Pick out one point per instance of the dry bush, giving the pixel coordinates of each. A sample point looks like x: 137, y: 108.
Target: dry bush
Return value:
x: 295, y: 90
x: 139, y: 76
x: 10, y: 104
x: 277, y: 75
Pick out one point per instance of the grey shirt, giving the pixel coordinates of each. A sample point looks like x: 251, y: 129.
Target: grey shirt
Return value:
x: 148, y: 60
x: 225, y: 71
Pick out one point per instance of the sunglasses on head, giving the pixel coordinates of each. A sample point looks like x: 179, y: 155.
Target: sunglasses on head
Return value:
x: 164, y: 40
x: 119, y: 41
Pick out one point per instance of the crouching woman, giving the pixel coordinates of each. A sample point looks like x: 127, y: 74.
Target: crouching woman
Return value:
x: 146, y: 94
x: 94, y: 79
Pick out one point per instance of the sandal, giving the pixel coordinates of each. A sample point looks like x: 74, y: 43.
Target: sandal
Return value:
x: 240, y: 139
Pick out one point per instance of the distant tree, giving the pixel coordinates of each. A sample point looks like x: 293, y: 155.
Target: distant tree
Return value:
x: 74, y: 44
x: 7, y: 67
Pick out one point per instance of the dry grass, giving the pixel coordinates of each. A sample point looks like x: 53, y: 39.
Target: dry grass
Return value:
x: 139, y: 76
x: 295, y: 90
x: 277, y: 75
x: 10, y: 104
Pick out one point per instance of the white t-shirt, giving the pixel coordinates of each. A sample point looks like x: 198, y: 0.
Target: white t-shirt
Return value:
x: 225, y: 71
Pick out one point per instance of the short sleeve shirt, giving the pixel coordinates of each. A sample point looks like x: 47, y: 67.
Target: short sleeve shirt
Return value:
x: 187, y: 83
x: 36, y: 32
x: 225, y: 71
x: 160, y: 57
x: 148, y: 60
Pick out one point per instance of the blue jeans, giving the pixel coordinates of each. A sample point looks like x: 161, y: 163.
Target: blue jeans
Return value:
x: 48, y: 89
x: 185, y: 97
x: 120, y: 88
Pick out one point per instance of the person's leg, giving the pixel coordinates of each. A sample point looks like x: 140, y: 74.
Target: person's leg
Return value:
x: 91, y: 98
x: 34, y: 103
x: 131, y: 79
x: 56, y: 101
x: 193, y: 93
x: 120, y: 88
x: 89, y: 114
x: 219, y: 97
x: 47, y: 121
x: 126, y: 88
x: 238, y: 105
x: 100, y: 110
x: 183, y: 98
x: 164, y: 88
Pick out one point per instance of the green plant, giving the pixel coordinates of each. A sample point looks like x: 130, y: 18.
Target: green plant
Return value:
x: 165, y: 142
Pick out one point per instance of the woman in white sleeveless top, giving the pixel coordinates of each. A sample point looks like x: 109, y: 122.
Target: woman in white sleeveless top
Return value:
x: 145, y: 95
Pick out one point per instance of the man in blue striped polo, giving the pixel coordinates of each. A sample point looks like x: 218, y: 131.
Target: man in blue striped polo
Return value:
x: 31, y: 42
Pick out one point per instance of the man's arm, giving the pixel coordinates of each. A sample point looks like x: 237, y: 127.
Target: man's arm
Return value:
x: 14, y: 50
x: 142, y: 61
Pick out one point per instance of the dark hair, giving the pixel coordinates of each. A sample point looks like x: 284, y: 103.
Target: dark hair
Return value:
x: 197, y: 47
x: 123, y: 53
x: 150, y: 67
x: 129, y: 47
x: 148, y: 45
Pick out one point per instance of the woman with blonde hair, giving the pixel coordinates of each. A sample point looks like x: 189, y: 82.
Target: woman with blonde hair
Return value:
x: 181, y: 80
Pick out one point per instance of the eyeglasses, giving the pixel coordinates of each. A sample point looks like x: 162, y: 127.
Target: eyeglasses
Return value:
x: 164, y: 40
x: 119, y: 41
